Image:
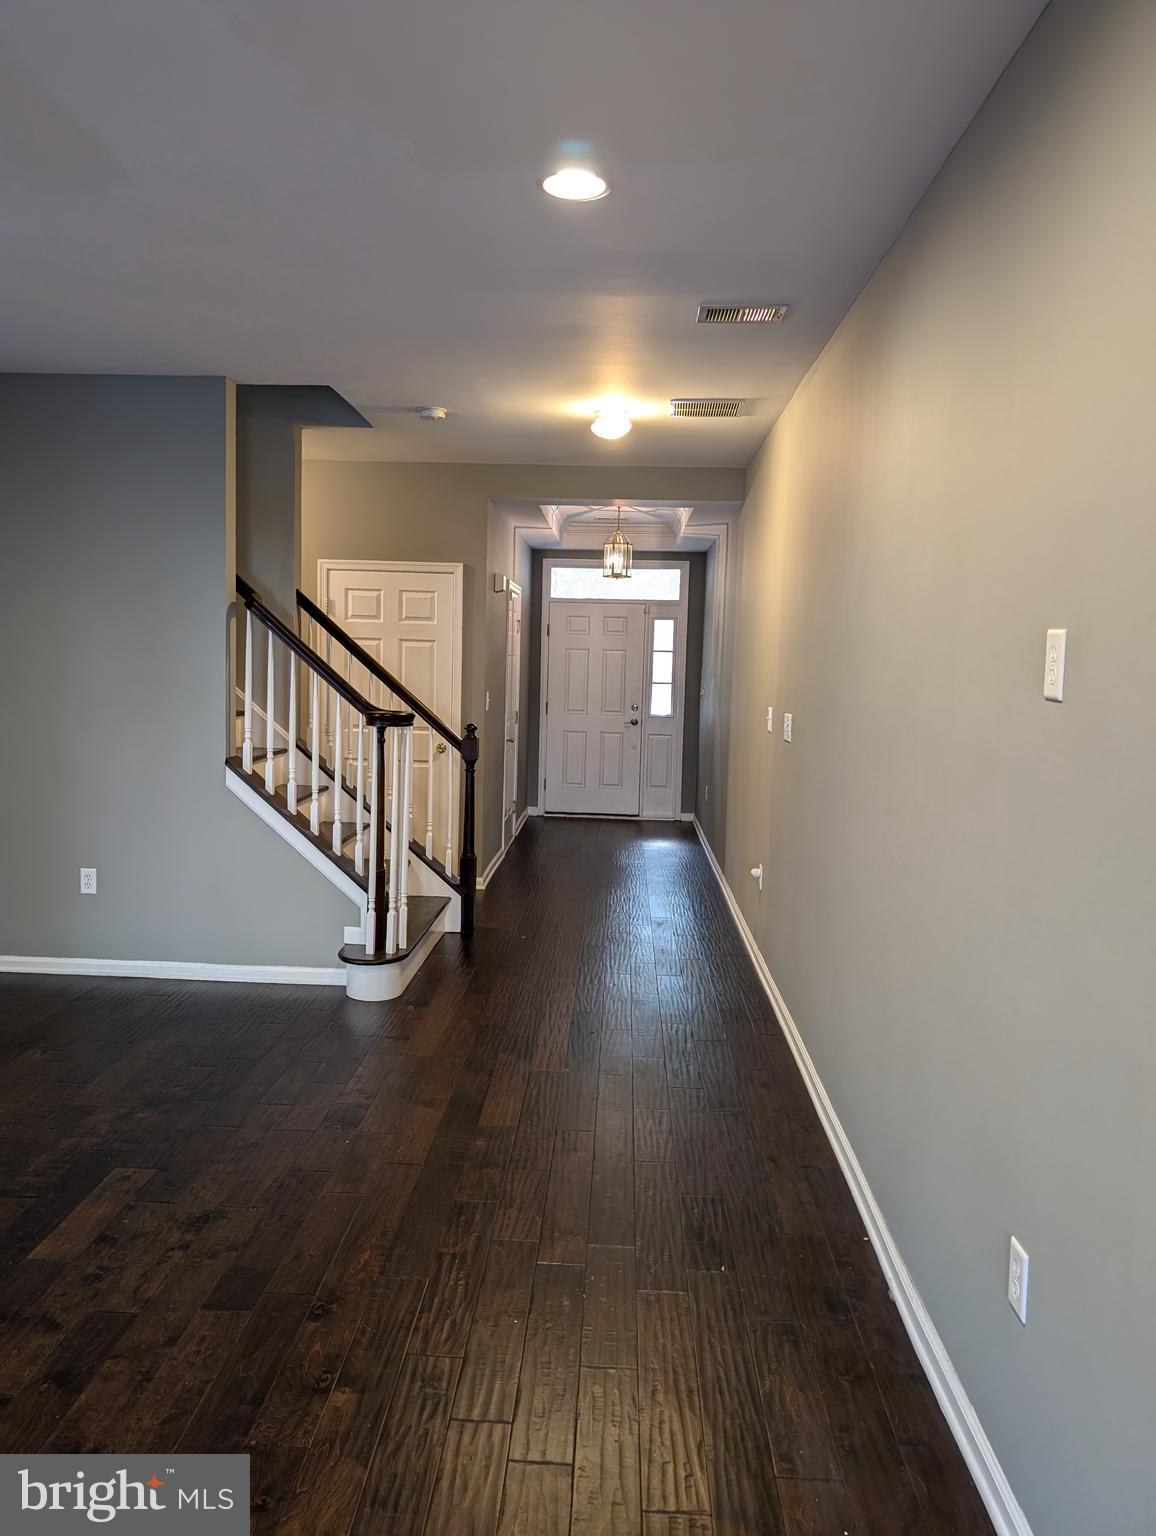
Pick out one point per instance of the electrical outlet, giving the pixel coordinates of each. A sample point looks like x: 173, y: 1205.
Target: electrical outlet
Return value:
x: 1017, y: 1280
x: 770, y: 718
x: 88, y: 882
x: 705, y: 793
x: 786, y: 727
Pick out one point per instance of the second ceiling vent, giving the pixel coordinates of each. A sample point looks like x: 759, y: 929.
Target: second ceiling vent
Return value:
x: 709, y: 409
x: 741, y: 314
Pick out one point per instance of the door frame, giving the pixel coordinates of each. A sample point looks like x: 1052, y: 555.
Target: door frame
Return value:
x: 510, y: 791
x: 437, y: 567
x: 655, y: 609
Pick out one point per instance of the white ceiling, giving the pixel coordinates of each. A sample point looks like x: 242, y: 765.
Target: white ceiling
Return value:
x: 346, y: 194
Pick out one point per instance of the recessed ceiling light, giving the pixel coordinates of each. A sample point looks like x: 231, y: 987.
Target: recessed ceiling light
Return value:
x: 611, y: 422
x: 574, y: 184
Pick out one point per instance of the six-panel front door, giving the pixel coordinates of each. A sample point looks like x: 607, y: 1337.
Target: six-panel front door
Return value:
x: 594, y: 708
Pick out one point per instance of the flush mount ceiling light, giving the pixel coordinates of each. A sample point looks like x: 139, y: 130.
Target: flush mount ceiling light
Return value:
x: 575, y: 184
x: 617, y: 553
x: 612, y: 421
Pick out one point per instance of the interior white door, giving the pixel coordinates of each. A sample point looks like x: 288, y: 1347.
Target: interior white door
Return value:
x: 513, y: 692
x: 406, y: 616
x: 593, y: 708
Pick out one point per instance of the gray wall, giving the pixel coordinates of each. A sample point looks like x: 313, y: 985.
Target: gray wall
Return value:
x: 378, y: 511
x: 961, y: 892
x: 116, y: 497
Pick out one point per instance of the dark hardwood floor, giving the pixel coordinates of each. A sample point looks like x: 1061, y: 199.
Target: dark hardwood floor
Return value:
x: 554, y: 1243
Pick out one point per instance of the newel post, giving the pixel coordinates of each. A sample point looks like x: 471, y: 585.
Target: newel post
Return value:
x: 468, y: 863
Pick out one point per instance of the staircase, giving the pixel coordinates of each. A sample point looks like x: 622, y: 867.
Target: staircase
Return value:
x: 324, y: 753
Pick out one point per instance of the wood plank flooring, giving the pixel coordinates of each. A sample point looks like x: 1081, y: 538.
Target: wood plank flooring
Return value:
x: 553, y: 1244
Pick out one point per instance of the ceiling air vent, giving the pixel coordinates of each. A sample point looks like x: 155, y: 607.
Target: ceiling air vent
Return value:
x: 741, y: 314
x: 707, y: 409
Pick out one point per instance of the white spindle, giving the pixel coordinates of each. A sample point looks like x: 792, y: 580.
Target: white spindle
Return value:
x: 328, y: 705
x: 394, y: 846
x: 451, y: 798
x: 315, y: 749
x: 429, y: 794
x: 404, y: 818
x: 247, y: 743
x: 359, y: 845
x: 371, y: 909
x: 291, y: 786
x: 269, y: 708
x: 337, y: 777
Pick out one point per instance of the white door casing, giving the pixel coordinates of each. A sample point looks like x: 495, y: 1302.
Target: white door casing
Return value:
x: 408, y: 616
x: 660, y: 796
x: 594, y: 708
x: 512, y: 722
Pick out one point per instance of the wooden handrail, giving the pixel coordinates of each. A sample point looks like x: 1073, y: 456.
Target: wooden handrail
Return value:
x: 372, y: 714
x: 375, y: 668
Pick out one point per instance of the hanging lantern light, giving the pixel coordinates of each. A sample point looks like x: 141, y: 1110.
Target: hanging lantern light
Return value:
x: 617, y: 554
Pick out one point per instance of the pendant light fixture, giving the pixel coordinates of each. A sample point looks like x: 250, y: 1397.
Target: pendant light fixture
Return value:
x: 617, y: 554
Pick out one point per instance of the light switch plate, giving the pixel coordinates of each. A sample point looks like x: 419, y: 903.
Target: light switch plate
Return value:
x: 770, y: 718
x: 786, y: 727
x: 1055, y: 661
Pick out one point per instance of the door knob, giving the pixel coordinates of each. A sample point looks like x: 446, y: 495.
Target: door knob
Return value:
x: 439, y: 746
x: 634, y: 722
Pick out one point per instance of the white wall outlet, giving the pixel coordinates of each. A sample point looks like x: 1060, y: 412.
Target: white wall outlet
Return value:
x: 1017, y: 1280
x: 757, y: 874
x: 786, y: 727
x: 88, y: 882
x: 770, y: 718
x: 1055, y: 660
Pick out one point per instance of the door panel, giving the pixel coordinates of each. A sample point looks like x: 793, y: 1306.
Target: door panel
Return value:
x: 406, y: 619
x: 594, y: 699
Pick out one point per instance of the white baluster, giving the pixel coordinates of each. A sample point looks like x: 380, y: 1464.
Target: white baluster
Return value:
x: 405, y: 818
x: 337, y: 777
x: 429, y: 794
x: 451, y: 804
x: 315, y: 748
x: 247, y: 743
x: 269, y: 707
x: 371, y: 909
x: 328, y: 706
x: 394, y: 845
x: 291, y: 786
x: 359, y: 845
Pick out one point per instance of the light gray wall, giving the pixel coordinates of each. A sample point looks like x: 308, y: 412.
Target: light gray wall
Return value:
x: 116, y: 496
x: 381, y: 511
x: 961, y: 878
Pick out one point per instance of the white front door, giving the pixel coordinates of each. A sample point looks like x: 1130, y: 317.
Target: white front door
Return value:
x: 408, y: 617
x: 593, y: 708
x: 513, y: 692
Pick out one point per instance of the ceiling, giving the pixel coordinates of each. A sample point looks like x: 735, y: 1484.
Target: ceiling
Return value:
x: 346, y: 194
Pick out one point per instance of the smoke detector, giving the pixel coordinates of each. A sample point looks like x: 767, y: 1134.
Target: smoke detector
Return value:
x: 432, y: 412
x: 702, y: 409
x: 741, y: 314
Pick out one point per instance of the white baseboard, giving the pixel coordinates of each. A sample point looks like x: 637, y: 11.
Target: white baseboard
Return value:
x: 176, y: 970
x: 491, y: 868
x: 983, y: 1464
x: 533, y: 810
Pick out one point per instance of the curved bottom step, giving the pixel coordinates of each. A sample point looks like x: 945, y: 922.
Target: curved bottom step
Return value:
x: 370, y: 981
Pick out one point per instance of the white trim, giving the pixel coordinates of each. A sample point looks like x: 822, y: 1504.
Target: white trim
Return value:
x: 293, y: 835
x: 532, y: 810
x: 491, y: 868
x: 962, y: 1419
x: 652, y: 609
x: 176, y: 970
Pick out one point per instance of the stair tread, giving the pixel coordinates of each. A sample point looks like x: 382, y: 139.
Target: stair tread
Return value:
x: 423, y: 912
